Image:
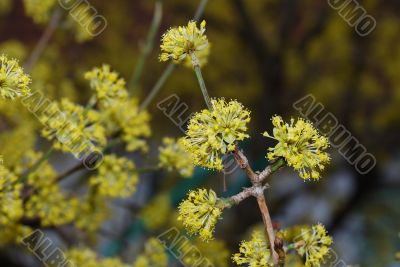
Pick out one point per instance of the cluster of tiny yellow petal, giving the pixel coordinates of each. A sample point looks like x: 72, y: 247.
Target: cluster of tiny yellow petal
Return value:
x: 116, y: 177
x: 200, y: 213
x: 84, y: 257
x: 71, y: 128
x: 11, y: 210
x: 93, y: 211
x: 39, y: 10
x: 13, y: 81
x: 156, y: 213
x: 254, y: 253
x: 79, y: 22
x: 212, y: 133
x: 183, y: 42
x: 314, y: 245
x: 173, y: 156
x: 301, y: 145
x: 134, y: 125
x: 107, y: 85
x: 51, y: 206
x: 153, y: 255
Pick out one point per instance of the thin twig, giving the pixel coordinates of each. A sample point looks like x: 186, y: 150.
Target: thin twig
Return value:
x: 44, y: 40
x: 202, y: 84
x: 148, y: 46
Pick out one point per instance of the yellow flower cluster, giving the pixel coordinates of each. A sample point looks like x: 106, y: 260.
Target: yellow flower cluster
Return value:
x: 39, y: 10
x: 71, y: 128
x: 78, y: 21
x: 254, y: 253
x: 154, y: 255
x: 215, y: 251
x: 173, y: 156
x: 212, y: 133
x: 84, y: 257
x: 200, y: 213
x: 13, y: 81
x: 93, y: 211
x: 107, y: 85
x: 301, y: 145
x: 182, y: 43
x: 48, y: 203
x: 11, y: 209
x: 156, y: 213
x: 116, y: 177
x: 17, y: 130
x: 315, y: 244
x: 134, y: 125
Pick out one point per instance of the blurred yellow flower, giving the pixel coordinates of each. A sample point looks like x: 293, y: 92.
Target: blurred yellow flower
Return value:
x: 107, y: 85
x: 173, y: 156
x: 154, y: 255
x: 39, y: 10
x: 301, y: 145
x: 116, y: 177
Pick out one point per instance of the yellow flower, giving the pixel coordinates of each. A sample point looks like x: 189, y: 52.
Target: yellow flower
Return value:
x: 71, y: 128
x: 185, y: 42
x: 134, y: 125
x: 212, y: 133
x: 173, y: 156
x: 314, y: 245
x: 93, y: 211
x: 157, y: 212
x: 254, y: 253
x: 215, y: 251
x: 13, y: 81
x: 10, y: 189
x: 199, y: 213
x: 154, y: 255
x: 301, y: 145
x: 107, y: 85
x: 117, y: 177
x: 85, y: 257
x: 39, y: 10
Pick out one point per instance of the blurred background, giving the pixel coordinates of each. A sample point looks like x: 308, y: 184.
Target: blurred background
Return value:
x: 267, y: 55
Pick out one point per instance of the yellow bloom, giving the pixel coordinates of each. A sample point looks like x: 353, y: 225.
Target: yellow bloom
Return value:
x: 13, y: 81
x: 314, y: 246
x: 93, y: 211
x: 183, y: 42
x: 154, y: 255
x: 301, y: 145
x: 124, y: 116
x: 173, y: 156
x: 107, y: 85
x: 199, y: 213
x: 71, y: 129
x: 157, y: 212
x: 117, y: 177
x: 39, y: 10
x: 254, y: 253
x: 10, y: 190
x: 215, y: 251
x: 85, y: 257
x: 212, y: 133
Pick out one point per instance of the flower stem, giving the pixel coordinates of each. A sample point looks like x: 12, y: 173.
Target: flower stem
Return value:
x: 203, y: 86
x: 44, y: 40
x: 157, y: 87
x: 148, y: 46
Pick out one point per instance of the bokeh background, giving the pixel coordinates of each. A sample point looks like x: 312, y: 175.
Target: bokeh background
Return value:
x: 267, y: 55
